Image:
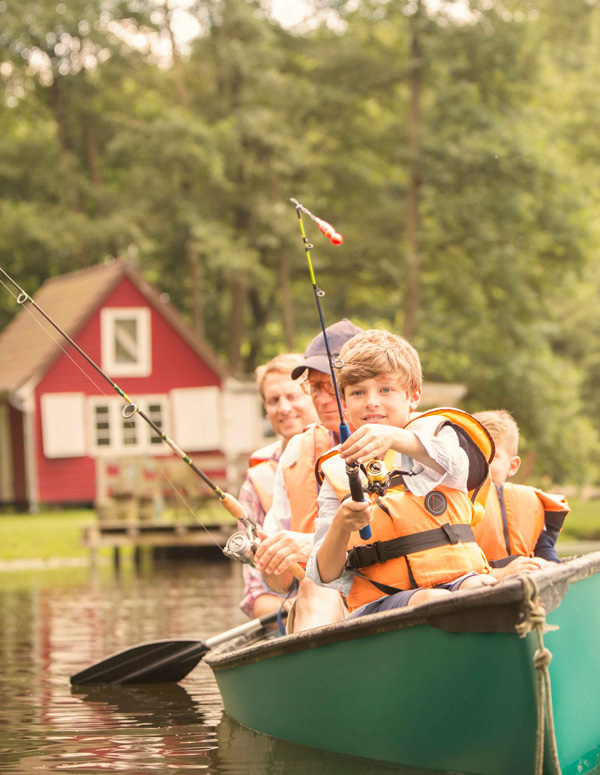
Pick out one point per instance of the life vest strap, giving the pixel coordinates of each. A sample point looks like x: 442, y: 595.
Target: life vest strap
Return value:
x: 381, y: 551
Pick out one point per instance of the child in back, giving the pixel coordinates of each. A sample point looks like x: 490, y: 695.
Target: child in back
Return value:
x: 521, y: 524
x: 422, y: 545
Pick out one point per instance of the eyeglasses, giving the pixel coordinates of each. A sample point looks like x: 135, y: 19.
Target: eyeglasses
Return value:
x: 314, y: 388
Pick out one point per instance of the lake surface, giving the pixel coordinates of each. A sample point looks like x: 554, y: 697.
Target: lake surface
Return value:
x: 54, y: 623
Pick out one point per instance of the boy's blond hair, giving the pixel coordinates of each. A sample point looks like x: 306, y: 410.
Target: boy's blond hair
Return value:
x: 281, y: 364
x: 375, y: 352
x: 502, y: 428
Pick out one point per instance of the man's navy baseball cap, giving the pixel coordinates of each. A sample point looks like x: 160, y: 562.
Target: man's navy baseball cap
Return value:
x: 315, y: 355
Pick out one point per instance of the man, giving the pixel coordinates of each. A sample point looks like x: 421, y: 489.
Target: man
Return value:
x: 289, y: 524
x: 289, y: 410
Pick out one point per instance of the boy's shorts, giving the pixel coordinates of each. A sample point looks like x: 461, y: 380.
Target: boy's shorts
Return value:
x: 401, y: 599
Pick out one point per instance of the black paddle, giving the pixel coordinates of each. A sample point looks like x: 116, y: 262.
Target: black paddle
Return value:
x: 161, y: 661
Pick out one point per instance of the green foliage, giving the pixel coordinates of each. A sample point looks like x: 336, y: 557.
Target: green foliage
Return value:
x: 185, y: 162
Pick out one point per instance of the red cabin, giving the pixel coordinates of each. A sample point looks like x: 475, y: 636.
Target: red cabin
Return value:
x: 60, y: 421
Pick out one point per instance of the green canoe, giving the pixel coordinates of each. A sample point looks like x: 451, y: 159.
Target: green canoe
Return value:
x: 450, y: 686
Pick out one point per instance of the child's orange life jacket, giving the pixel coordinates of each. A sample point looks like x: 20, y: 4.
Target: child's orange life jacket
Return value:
x: 514, y: 517
x: 419, y: 541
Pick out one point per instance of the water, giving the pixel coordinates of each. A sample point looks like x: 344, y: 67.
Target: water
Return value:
x: 54, y: 623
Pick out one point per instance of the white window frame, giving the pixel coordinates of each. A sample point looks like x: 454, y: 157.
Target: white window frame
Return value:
x: 117, y: 447
x: 108, y: 318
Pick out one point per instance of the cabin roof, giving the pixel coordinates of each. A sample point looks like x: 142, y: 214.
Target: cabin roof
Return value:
x: 26, y: 353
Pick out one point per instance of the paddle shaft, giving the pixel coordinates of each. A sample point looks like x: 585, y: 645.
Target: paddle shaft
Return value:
x: 203, y: 646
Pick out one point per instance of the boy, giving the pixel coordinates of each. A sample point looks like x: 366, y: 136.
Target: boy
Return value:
x: 289, y: 410
x: 521, y: 524
x: 380, y: 380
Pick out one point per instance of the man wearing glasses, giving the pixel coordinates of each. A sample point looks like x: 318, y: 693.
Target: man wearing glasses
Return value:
x: 289, y: 524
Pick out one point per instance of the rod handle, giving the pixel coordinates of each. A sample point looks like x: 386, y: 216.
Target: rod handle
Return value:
x: 233, y: 506
x: 356, y: 488
x: 357, y: 493
x: 297, y: 571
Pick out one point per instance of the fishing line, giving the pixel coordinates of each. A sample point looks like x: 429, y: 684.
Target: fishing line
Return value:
x: 352, y: 469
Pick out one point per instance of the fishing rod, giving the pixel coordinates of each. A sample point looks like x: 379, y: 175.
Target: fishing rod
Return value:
x: 241, y: 545
x: 352, y: 469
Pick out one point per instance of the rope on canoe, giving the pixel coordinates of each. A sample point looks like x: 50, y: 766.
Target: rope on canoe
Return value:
x: 536, y: 620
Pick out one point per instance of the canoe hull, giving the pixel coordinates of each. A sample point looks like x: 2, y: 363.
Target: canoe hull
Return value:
x: 423, y: 697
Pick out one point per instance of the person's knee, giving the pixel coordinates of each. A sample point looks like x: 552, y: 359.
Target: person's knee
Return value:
x: 310, y: 593
x: 427, y: 595
x: 479, y: 580
x: 316, y: 606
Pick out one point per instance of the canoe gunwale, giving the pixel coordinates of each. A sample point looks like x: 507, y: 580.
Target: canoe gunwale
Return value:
x: 500, y: 608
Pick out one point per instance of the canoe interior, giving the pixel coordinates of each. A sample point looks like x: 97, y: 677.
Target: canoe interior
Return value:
x: 447, y: 686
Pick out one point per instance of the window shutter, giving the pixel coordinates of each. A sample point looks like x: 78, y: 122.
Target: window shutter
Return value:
x: 197, y: 418
x: 243, y: 420
x: 63, y: 425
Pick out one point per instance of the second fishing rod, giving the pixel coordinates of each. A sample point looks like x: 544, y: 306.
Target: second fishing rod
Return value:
x: 241, y: 546
x: 352, y: 469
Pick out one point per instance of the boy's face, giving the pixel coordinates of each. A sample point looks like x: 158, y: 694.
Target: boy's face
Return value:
x: 503, y: 465
x: 383, y: 400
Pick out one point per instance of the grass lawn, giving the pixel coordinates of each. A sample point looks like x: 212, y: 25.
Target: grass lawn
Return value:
x: 583, y: 523
x: 58, y: 533
x: 52, y: 534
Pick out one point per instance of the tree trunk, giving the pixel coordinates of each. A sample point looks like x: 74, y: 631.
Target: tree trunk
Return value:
x: 237, y: 319
x: 286, y: 302
x: 180, y: 85
x: 260, y: 315
x: 412, y: 297
x: 197, y: 298
x: 56, y: 100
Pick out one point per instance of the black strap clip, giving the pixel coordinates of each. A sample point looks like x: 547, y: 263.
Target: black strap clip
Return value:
x: 451, y: 532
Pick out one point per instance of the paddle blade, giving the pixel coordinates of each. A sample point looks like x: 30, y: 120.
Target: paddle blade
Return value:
x: 155, y: 662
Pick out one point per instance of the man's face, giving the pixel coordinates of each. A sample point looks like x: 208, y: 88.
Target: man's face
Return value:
x: 288, y: 408
x: 323, y: 398
x: 383, y: 400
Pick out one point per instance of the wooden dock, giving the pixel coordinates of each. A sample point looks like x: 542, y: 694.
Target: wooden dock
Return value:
x: 137, y: 534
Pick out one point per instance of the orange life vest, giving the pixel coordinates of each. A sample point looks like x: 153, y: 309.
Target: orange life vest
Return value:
x: 263, y: 464
x: 300, y: 480
x: 420, y: 541
x: 515, y: 516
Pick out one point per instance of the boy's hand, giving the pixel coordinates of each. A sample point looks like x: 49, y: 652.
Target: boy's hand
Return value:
x: 369, y: 441
x: 277, y: 551
x: 353, y: 515
x: 519, y: 565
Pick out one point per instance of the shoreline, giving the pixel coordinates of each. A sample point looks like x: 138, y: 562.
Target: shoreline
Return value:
x: 567, y: 549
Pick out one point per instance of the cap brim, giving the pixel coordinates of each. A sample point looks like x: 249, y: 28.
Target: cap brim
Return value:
x: 317, y: 362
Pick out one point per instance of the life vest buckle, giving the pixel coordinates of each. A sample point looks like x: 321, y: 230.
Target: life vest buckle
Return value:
x: 364, y: 555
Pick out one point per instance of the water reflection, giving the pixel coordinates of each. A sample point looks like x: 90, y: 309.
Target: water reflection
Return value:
x: 54, y: 624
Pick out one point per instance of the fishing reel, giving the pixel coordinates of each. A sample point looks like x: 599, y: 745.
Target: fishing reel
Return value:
x: 241, y: 547
x: 378, y: 477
